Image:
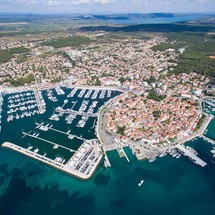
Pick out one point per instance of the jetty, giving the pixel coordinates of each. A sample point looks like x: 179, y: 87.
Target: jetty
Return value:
x: 106, y: 162
x: 122, y: 153
x: 47, y: 141
x: 190, y: 155
x: 81, y: 165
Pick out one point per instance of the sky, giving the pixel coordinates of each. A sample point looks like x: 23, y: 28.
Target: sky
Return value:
x: 106, y: 6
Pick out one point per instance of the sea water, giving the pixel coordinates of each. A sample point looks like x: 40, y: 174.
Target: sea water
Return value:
x: 171, y: 186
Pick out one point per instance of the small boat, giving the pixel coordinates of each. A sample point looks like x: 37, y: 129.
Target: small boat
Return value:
x: 162, y: 154
x: 36, y: 150
x: 178, y: 155
x: 152, y: 159
x: 140, y: 183
x: 55, y: 146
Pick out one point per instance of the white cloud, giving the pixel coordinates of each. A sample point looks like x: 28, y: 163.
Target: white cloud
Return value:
x: 109, y: 6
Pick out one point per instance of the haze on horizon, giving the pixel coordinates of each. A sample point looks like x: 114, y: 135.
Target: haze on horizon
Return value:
x: 106, y: 6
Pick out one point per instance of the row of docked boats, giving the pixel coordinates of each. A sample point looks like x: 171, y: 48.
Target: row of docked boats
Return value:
x: 209, y: 104
x: 70, y: 118
x: 81, y: 93
x: 54, y: 117
x: 83, y: 121
x: 213, y: 151
x: 72, y: 93
x: 90, y: 93
x: 21, y: 105
x: 51, y: 96
x: 102, y: 94
x: 173, y: 152
x: 59, y: 90
x: 83, y: 106
x: 59, y: 159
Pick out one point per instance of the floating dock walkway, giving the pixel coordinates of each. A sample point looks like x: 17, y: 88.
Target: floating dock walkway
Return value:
x: 191, y: 156
x: 208, y: 139
x: 47, y: 141
x: 59, y: 131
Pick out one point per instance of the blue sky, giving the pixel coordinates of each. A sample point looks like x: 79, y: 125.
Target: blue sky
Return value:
x: 106, y: 6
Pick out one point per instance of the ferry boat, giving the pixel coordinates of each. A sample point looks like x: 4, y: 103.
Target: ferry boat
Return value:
x: 140, y: 183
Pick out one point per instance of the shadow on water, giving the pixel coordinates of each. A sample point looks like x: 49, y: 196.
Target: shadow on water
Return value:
x: 102, y: 178
x: 19, y: 199
x: 119, y: 203
x: 3, y: 169
x: 162, y: 177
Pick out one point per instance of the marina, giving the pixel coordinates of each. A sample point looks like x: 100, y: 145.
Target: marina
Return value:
x: 76, y: 107
x: 23, y: 104
x: 59, y: 140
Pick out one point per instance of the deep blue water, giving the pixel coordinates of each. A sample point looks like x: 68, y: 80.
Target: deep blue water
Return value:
x: 172, y: 186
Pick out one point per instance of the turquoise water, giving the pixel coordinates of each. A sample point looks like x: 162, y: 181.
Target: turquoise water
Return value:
x: 172, y: 186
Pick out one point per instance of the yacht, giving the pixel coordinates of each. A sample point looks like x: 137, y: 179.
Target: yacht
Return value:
x: 178, y: 155
x: 36, y: 150
x: 162, y: 154
x: 152, y: 159
x: 140, y: 183
x: 71, y: 137
x: 55, y: 146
